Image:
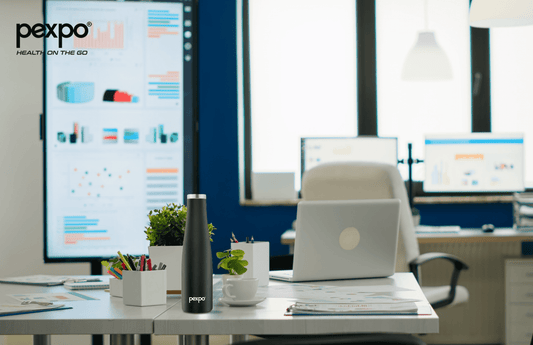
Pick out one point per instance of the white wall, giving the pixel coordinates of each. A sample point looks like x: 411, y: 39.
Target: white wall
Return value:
x: 21, y: 163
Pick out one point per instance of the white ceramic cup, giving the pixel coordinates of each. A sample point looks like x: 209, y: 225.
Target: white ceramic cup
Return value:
x: 243, y: 289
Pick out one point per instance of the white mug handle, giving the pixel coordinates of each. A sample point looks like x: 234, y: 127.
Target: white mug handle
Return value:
x: 226, y: 291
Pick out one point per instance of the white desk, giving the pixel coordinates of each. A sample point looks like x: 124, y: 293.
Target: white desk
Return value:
x: 107, y: 315
x: 464, y: 236
x: 267, y: 317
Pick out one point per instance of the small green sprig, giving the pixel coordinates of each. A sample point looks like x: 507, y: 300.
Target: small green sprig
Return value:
x: 232, y: 261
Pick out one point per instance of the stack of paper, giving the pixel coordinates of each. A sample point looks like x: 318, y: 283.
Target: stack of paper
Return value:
x: 410, y: 308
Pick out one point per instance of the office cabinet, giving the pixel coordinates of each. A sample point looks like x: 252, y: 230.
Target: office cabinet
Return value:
x: 518, y: 301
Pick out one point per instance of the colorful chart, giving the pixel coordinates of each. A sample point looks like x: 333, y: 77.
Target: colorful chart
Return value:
x: 110, y: 135
x: 111, y: 37
x: 161, y: 187
x: 79, y: 228
x: 163, y: 22
x: 75, y: 92
x: 167, y: 85
x: 110, y: 180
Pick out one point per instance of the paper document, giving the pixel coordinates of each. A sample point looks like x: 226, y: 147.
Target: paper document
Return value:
x: 411, y: 308
x: 13, y: 309
x: 53, y: 297
x: 45, y: 280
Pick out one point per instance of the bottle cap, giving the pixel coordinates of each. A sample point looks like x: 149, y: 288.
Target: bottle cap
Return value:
x: 196, y: 196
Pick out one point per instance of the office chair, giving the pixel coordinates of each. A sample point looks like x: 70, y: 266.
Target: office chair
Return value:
x: 357, y: 180
x: 344, y: 339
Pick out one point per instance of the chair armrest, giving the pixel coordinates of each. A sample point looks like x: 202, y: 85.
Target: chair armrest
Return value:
x: 458, y: 264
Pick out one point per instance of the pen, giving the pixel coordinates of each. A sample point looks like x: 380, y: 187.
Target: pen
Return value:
x: 164, y: 266
x: 113, y: 274
x: 142, y: 263
x: 124, y: 261
x: 132, y: 264
x: 160, y: 266
x: 234, y: 238
x: 123, y: 266
x: 154, y: 268
x: 252, y: 239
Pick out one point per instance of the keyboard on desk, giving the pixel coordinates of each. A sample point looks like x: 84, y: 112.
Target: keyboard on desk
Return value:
x: 448, y: 229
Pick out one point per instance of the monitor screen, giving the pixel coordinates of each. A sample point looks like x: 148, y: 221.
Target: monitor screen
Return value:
x: 119, y: 108
x: 474, y: 162
x: 316, y: 151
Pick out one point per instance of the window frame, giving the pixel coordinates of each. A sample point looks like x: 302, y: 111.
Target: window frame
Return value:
x: 367, y: 117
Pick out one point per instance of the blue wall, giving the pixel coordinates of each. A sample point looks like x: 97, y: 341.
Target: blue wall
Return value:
x: 219, y: 174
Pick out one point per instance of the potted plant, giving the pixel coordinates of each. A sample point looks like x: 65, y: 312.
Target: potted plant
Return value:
x: 165, y: 233
x: 232, y: 261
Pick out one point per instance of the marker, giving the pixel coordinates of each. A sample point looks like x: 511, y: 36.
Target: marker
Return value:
x: 252, y: 239
x: 164, y: 266
x: 234, y: 238
x: 154, y: 268
x: 160, y: 266
x: 132, y: 263
x: 247, y: 240
x: 149, y: 263
x: 142, y: 263
x: 124, y: 261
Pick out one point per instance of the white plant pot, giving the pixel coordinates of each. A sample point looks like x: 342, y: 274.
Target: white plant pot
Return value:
x: 225, y: 277
x: 170, y: 256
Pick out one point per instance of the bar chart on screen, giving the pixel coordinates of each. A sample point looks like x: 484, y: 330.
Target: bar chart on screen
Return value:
x: 81, y: 228
x: 102, y: 35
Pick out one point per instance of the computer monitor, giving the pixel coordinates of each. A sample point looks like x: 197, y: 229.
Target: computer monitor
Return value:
x: 316, y: 151
x: 474, y: 162
x: 119, y: 116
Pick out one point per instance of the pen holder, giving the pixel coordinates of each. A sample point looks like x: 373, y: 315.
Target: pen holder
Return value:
x: 144, y: 288
x: 115, y: 287
x: 258, y: 256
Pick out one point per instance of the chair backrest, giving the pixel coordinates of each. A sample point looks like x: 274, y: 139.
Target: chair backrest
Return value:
x: 362, y: 180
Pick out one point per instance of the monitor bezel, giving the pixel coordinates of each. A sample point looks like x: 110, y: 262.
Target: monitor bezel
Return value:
x: 302, y: 147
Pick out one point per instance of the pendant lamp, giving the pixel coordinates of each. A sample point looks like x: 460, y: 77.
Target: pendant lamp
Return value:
x: 427, y: 60
x: 501, y: 13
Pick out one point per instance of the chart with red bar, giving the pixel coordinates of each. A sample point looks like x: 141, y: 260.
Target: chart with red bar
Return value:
x: 110, y: 35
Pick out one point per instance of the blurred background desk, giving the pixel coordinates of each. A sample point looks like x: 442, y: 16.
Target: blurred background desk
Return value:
x: 485, y: 254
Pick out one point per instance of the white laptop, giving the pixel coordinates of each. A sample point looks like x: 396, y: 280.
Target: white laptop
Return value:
x: 344, y: 239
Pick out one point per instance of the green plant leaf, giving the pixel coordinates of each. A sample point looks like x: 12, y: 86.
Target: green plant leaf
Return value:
x: 221, y: 255
x: 237, y: 252
x: 244, y: 262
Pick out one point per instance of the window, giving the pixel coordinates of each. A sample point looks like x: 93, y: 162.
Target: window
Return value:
x: 512, y: 86
x: 410, y: 109
x: 303, y: 78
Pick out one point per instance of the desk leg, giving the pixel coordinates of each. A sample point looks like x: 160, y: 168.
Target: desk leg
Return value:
x: 237, y: 338
x: 194, y: 339
x: 122, y: 339
x: 42, y: 339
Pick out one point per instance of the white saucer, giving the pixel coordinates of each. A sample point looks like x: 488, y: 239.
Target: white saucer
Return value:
x: 243, y: 303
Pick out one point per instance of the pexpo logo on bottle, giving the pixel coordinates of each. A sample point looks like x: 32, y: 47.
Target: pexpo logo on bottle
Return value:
x: 49, y: 30
x: 196, y: 299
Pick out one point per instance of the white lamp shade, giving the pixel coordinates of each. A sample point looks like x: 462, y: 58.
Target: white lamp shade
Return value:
x: 501, y: 13
x: 427, y: 61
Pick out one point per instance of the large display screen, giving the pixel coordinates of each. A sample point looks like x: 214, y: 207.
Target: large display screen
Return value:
x: 119, y: 117
x: 316, y: 151
x: 474, y: 162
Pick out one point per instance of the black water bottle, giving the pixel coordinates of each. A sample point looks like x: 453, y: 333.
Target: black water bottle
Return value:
x: 196, y: 262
